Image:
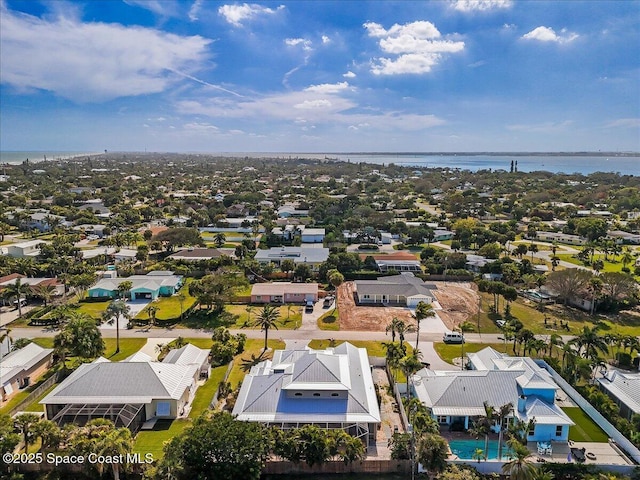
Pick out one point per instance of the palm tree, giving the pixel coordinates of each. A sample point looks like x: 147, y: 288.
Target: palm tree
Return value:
x: 482, y: 426
x: 463, y: 328
x: 555, y: 340
x: 266, y: 319
x: 394, y: 355
x: 124, y: 287
x: 410, y: 364
x: 423, y: 310
x: 519, y: 468
x: 219, y: 239
x: 45, y: 292
x: 151, y: 312
x: 112, y: 314
x: 17, y: 290
x: 247, y: 363
x: 590, y: 342
x: 533, y: 248
x: 402, y: 329
x: 25, y: 423
x: 502, y: 414
x: 627, y: 258
x: 116, y: 442
x: 393, y: 327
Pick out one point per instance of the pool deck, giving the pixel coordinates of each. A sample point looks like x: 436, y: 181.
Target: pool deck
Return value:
x: 604, y: 453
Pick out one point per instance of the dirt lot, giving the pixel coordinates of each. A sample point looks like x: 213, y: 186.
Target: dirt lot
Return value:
x: 459, y: 301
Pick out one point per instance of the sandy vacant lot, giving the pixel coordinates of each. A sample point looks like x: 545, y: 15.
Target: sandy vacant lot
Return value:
x: 459, y: 301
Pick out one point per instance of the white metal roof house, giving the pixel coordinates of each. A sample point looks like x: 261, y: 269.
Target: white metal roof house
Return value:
x: 311, y: 256
x: 130, y: 392
x: 30, y: 248
x: 404, y: 289
x: 624, y: 389
x: 331, y: 388
x: 21, y: 367
x: 457, y: 397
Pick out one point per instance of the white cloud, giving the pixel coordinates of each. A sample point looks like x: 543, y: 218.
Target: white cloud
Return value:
x: 349, y: 74
x: 624, y: 123
x: 313, y: 104
x: 328, y: 87
x: 547, y: 127
x: 293, y: 42
x: 162, y: 8
x: 194, y: 10
x: 325, y: 39
x: 306, y: 108
x: 93, y: 61
x: 547, y: 34
x: 480, y: 5
x: 237, y: 14
x: 419, y: 46
x: 200, y: 128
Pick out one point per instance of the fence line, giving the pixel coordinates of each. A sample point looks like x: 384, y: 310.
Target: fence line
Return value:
x: 215, y: 400
x: 35, y: 393
x: 623, y: 442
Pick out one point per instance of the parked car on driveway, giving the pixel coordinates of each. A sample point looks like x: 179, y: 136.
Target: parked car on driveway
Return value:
x: 308, y: 308
x: 328, y: 301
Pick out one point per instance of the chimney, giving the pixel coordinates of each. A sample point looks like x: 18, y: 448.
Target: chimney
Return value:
x: 522, y: 403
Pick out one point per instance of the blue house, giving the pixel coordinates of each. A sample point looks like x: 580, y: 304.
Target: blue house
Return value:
x: 457, y: 397
x: 144, y: 287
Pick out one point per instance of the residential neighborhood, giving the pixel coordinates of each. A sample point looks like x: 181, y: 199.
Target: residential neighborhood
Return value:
x: 364, y: 310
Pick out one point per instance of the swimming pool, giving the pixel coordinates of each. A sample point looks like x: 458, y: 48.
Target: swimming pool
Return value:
x: 465, y: 449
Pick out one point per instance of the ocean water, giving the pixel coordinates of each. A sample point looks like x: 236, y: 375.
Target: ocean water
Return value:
x: 526, y: 163
x: 551, y: 163
x: 584, y: 164
x: 38, y: 156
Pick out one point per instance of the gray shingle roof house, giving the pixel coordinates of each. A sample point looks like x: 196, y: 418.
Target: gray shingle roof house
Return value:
x: 129, y: 392
x: 331, y: 388
x: 457, y: 397
x: 312, y: 256
x: 404, y: 289
x: 624, y: 389
x: 284, y: 292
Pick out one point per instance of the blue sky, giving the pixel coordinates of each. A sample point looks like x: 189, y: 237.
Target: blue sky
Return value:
x: 315, y: 76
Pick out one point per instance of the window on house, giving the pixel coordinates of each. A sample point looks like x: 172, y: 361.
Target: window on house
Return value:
x: 316, y: 394
x: 298, y: 394
x: 442, y: 419
x: 334, y: 394
x: 558, y: 430
x: 532, y: 430
x: 366, y: 296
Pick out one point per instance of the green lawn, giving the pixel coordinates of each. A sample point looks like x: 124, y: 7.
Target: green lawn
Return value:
x: 252, y: 347
x: 169, y: 308
x: 330, y: 320
x: 613, y: 264
x: 152, y: 441
x: 94, y: 309
x: 290, y: 316
x: 35, y: 406
x: 128, y: 346
x: 584, y: 430
x: 448, y: 352
x: 23, y: 394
